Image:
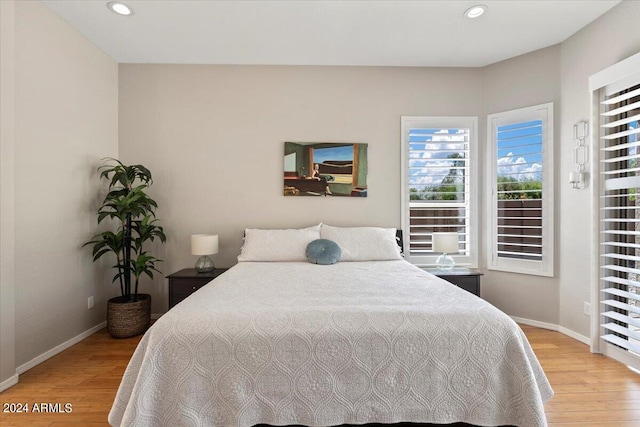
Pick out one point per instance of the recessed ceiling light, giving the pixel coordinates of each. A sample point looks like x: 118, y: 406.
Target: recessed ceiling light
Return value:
x: 475, y: 11
x: 120, y: 8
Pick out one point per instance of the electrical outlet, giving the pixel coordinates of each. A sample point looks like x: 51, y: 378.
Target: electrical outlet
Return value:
x: 89, y: 303
x: 587, y: 308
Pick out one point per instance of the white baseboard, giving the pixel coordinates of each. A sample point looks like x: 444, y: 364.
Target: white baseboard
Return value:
x: 57, y: 349
x: 536, y: 323
x: 9, y: 382
x: 65, y: 345
x: 552, y: 327
x: 575, y: 335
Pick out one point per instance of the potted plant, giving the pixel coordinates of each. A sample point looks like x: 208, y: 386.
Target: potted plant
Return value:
x: 133, y: 211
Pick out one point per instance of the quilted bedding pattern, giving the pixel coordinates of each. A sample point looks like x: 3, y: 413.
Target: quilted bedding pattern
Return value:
x: 354, y: 342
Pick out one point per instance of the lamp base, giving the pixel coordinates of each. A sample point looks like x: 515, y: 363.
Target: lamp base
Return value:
x: 205, y: 264
x: 445, y: 263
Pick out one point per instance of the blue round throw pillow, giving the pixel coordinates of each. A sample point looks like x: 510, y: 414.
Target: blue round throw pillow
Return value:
x: 323, y: 252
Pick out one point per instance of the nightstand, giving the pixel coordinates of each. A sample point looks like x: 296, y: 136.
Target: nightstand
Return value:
x: 464, y: 278
x: 186, y: 281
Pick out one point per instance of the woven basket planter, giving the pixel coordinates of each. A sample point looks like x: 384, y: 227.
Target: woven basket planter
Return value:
x: 128, y: 319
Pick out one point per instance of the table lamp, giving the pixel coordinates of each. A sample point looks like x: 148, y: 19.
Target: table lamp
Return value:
x: 204, y: 245
x: 447, y: 243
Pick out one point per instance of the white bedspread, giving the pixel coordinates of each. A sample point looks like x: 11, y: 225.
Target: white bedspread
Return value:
x: 354, y: 342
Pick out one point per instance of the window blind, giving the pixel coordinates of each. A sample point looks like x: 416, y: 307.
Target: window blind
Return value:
x: 620, y: 218
x: 519, y: 190
x: 439, y: 186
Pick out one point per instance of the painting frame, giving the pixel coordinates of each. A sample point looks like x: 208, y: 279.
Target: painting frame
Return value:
x: 325, y: 169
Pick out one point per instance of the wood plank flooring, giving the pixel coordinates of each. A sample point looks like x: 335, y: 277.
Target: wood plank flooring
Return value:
x: 591, y: 390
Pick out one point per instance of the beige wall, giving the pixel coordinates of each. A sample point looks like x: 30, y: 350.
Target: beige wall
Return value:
x: 7, y: 148
x: 611, y: 38
x: 523, y: 81
x: 213, y: 136
x: 65, y: 121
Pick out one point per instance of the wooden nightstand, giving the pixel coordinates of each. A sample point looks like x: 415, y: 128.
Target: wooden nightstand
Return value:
x: 464, y: 278
x: 186, y: 281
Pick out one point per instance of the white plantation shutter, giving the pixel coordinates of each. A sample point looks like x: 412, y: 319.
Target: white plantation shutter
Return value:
x: 439, y: 186
x: 519, y: 213
x: 619, y: 217
x: 520, y: 232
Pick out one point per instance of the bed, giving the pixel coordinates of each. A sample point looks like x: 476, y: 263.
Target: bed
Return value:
x: 291, y: 342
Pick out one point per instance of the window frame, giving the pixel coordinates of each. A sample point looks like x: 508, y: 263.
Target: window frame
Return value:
x: 544, y: 267
x: 431, y: 122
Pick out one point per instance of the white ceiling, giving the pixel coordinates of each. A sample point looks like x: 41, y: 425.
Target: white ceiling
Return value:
x: 321, y: 32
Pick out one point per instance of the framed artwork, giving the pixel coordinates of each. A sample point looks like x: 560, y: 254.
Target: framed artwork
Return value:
x: 325, y: 169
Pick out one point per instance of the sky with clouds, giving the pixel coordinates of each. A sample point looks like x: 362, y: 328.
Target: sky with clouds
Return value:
x: 429, y: 149
x: 520, y: 150
x: 519, y: 153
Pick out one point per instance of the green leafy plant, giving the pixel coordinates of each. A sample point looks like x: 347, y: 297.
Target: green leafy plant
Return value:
x: 133, y: 211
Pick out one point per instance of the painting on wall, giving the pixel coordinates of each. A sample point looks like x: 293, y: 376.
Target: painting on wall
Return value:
x: 325, y: 169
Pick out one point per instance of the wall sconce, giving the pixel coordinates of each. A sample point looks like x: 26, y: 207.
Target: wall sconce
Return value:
x: 578, y: 178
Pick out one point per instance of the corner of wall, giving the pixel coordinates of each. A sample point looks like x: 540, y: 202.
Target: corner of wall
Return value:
x: 66, y: 112
x: 8, y: 375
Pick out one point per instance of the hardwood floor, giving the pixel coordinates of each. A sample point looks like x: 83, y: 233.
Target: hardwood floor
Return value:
x: 86, y: 375
x: 591, y: 390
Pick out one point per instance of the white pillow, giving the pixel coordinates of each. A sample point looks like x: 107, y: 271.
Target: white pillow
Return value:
x: 277, y: 245
x: 363, y: 243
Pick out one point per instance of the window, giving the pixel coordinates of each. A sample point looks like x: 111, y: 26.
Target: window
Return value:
x: 521, y: 209
x: 439, y: 180
x: 337, y: 161
x: 619, y: 211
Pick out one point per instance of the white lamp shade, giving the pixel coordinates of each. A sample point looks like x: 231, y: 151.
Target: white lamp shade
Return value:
x: 446, y: 243
x: 204, y: 244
